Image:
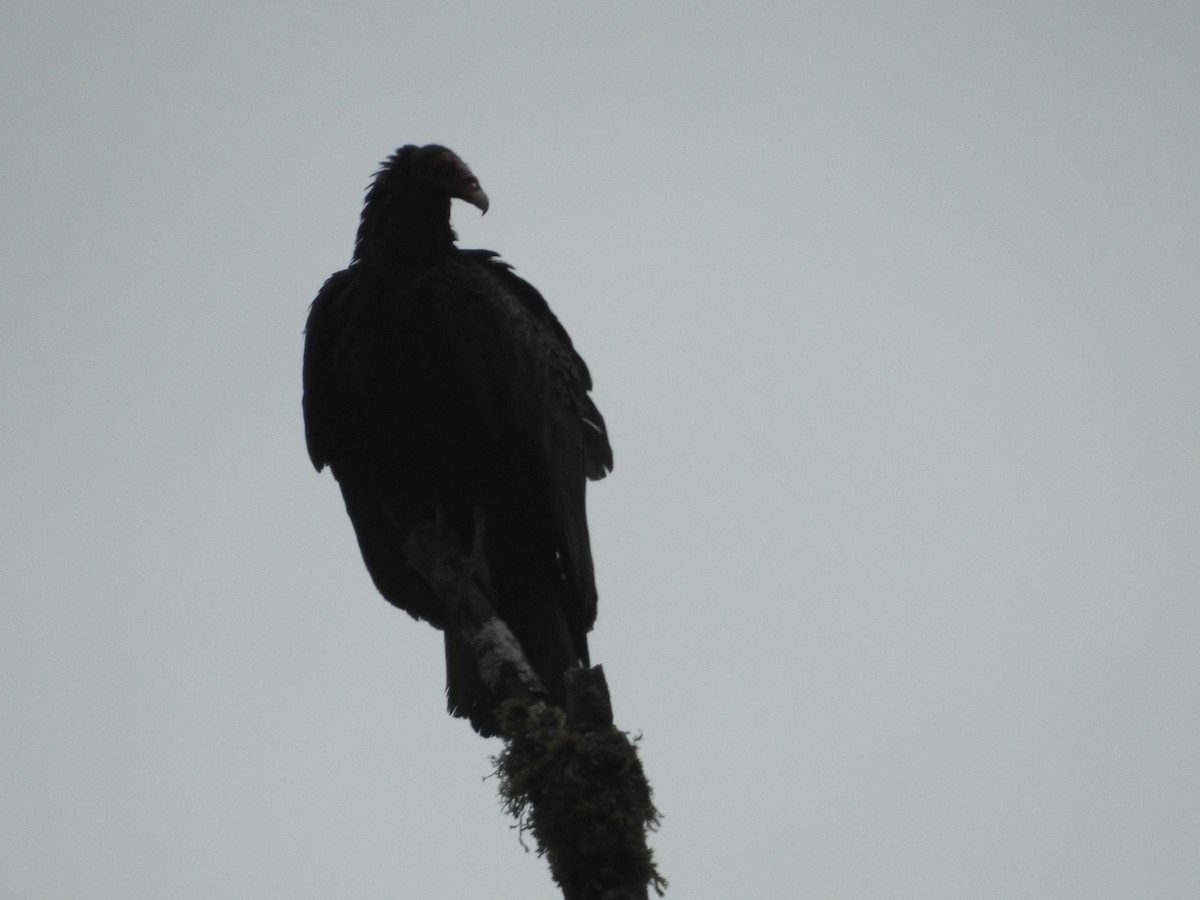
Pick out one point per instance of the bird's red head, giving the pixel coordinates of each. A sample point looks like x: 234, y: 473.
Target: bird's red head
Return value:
x: 437, y: 165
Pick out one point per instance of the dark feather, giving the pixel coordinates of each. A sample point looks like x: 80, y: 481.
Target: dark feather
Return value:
x: 436, y: 379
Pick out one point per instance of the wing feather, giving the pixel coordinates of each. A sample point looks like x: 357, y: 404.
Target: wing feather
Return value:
x: 551, y: 407
x: 331, y: 321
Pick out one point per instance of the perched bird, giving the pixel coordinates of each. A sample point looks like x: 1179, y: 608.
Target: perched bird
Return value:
x: 439, y: 386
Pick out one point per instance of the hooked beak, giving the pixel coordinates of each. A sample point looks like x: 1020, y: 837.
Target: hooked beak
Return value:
x: 478, y: 198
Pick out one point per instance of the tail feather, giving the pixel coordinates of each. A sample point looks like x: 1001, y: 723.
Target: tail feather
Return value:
x: 466, y: 695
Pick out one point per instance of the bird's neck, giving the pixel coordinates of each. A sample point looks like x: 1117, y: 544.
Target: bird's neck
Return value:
x: 406, y: 235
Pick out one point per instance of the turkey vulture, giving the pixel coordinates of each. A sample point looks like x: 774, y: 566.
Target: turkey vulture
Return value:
x: 439, y: 386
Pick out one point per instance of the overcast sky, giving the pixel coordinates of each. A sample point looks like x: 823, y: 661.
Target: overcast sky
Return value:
x: 894, y: 314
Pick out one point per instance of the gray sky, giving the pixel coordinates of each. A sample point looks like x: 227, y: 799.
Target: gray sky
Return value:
x: 894, y: 313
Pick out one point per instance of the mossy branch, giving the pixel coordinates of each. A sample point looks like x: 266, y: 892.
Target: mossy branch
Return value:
x: 569, y: 777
